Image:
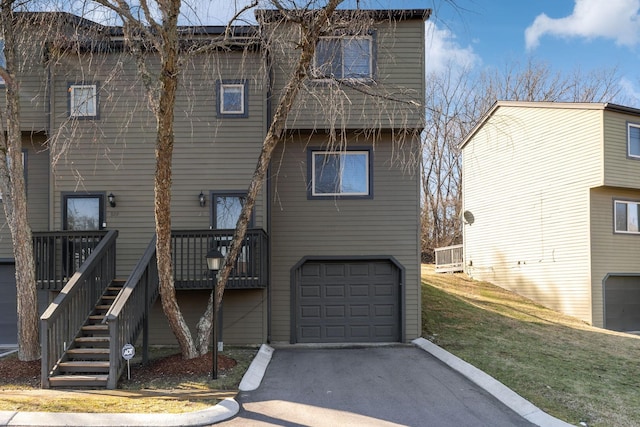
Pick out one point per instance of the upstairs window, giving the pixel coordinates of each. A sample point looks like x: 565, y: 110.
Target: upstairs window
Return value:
x: 340, y: 173
x: 83, y: 100
x: 232, y: 98
x: 347, y: 57
x: 626, y: 217
x: 633, y: 135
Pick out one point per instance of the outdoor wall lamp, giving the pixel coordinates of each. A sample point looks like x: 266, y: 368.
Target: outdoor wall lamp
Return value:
x: 112, y: 200
x: 202, y: 199
x: 214, y: 259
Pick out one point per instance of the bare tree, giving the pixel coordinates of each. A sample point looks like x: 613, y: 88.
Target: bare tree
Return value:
x: 456, y: 100
x: 12, y: 185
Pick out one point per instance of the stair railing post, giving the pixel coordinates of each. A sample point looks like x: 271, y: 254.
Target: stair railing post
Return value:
x: 145, y: 319
x: 114, y: 353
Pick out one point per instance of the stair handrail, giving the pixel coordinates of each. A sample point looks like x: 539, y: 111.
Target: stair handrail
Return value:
x: 129, y: 312
x: 63, y: 319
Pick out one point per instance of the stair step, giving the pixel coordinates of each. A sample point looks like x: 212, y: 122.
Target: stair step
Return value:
x: 78, y: 381
x: 90, y: 366
x: 95, y: 329
x: 78, y: 354
x: 109, y: 297
x: 103, y: 307
x: 92, y: 341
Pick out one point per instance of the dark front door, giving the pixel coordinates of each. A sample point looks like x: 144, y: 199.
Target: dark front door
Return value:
x: 348, y: 301
x: 81, y: 212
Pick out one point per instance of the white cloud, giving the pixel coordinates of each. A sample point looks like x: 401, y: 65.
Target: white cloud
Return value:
x: 630, y: 91
x: 444, y: 52
x: 612, y: 19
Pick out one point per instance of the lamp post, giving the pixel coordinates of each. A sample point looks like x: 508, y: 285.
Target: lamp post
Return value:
x: 214, y: 258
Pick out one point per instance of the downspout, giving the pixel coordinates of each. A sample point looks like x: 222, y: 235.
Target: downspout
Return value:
x: 270, y: 80
x: 49, y: 96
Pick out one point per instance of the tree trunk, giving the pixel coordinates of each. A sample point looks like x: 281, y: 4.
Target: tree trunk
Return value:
x: 15, y: 200
x: 162, y: 186
x: 309, y: 39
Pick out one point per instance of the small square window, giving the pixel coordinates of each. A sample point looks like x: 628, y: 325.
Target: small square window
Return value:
x: 340, y: 173
x: 633, y: 136
x: 83, y: 100
x: 626, y: 217
x: 232, y: 99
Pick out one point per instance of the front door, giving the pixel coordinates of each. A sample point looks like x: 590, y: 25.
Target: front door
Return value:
x: 81, y: 212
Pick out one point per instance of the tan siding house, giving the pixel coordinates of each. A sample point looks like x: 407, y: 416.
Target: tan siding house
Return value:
x: 540, y: 185
x: 333, y: 249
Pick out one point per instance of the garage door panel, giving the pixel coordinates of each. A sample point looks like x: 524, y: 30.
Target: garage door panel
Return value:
x: 310, y: 291
x: 359, y: 302
x: 359, y: 290
x: 332, y: 291
x: 335, y: 311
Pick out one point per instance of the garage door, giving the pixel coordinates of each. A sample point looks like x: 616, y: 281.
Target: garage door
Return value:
x: 8, y: 313
x: 622, y: 303
x: 347, y: 301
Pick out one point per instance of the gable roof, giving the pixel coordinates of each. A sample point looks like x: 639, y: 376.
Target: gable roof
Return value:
x: 552, y: 105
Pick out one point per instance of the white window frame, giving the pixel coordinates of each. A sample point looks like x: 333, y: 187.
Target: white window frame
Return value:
x: 629, y: 153
x: 318, y: 74
x: 79, y: 110
x: 367, y: 173
x: 632, y: 217
x: 223, y: 88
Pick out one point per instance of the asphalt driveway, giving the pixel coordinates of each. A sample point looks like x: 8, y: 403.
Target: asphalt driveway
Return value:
x: 379, y: 386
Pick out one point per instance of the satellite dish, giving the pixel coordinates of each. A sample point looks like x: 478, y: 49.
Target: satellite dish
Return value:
x: 468, y: 217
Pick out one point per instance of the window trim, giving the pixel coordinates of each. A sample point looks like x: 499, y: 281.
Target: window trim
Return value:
x: 100, y: 195
x: 70, y: 101
x: 214, y: 213
x: 220, y: 85
x: 311, y: 195
x: 629, y: 154
x: 373, y: 55
x: 615, y: 217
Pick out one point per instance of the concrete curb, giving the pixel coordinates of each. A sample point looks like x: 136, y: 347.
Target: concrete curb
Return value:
x: 504, y: 394
x: 220, y: 412
x: 253, y: 377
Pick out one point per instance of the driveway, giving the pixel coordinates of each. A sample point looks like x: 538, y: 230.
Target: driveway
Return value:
x: 374, y: 386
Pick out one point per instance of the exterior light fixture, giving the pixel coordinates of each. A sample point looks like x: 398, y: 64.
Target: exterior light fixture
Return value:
x: 214, y: 259
x: 112, y: 200
x: 202, y: 199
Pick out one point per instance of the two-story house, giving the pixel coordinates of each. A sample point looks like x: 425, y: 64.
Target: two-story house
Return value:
x: 332, y: 254
x: 551, y: 200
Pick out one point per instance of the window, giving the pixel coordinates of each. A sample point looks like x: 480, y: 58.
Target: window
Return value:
x: 626, y: 217
x: 226, y: 210
x: 82, y: 211
x: 633, y: 131
x: 83, y: 100
x: 349, y: 57
x: 232, y: 98
x: 340, y: 173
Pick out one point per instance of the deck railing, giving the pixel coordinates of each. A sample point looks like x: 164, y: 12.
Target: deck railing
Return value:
x: 59, y: 254
x: 129, y: 313
x: 189, y: 250
x: 449, y: 259
x: 64, y: 318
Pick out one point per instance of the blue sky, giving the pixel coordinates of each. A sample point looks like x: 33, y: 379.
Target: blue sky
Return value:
x: 566, y: 34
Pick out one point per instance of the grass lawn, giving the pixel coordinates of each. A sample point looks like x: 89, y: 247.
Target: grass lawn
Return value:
x: 569, y: 369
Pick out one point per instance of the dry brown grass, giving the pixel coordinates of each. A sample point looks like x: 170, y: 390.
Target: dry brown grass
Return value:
x: 571, y: 370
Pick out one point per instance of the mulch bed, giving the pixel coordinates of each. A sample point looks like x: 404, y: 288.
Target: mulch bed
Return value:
x: 27, y: 374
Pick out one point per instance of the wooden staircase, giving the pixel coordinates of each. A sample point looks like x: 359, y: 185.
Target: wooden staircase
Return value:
x: 86, y: 361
